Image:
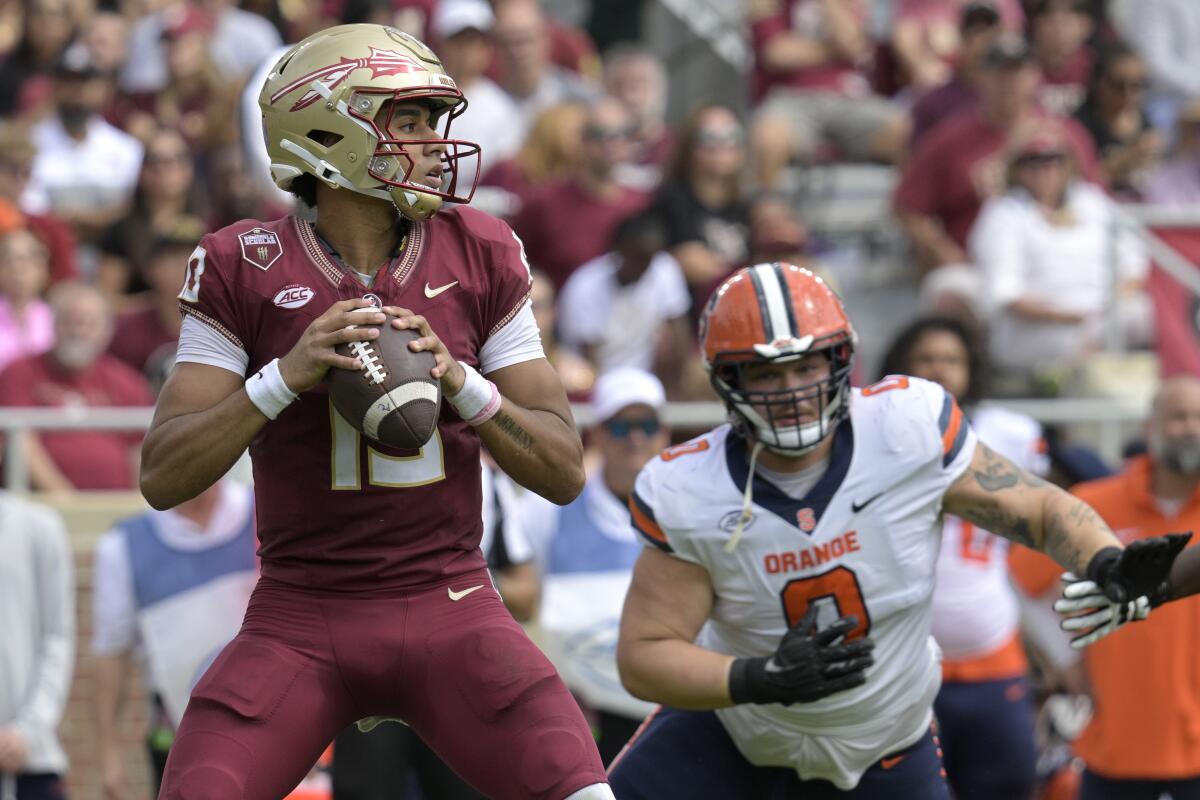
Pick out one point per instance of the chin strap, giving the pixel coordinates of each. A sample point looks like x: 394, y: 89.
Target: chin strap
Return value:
x: 747, y: 500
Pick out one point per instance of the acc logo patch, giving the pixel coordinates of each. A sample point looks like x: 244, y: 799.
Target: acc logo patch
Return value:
x: 806, y: 520
x: 293, y: 296
x: 730, y: 521
x: 260, y: 247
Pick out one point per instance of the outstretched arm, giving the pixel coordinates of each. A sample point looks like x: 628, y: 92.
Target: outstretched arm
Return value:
x: 1011, y: 502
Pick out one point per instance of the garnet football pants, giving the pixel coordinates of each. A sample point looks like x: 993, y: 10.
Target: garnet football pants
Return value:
x: 688, y: 755
x: 307, y: 663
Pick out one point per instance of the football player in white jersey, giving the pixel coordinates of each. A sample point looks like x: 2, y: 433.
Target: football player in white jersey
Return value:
x: 984, y: 709
x: 781, y: 615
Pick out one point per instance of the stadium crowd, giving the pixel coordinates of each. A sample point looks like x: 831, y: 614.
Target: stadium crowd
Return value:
x: 1010, y: 133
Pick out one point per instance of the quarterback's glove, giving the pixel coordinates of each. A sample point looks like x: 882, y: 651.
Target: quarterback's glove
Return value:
x: 1141, y: 569
x: 806, y: 667
x: 1094, y: 614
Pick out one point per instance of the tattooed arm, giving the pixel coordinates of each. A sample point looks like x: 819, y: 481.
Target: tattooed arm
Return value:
x: 1000, y: 497
x: 533, y: 436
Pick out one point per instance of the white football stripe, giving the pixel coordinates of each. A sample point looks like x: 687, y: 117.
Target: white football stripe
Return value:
x: 396, y: 398
x: 773, y: 293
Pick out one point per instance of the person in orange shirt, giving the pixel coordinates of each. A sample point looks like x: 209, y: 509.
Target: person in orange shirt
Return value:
x: 1144, y: 737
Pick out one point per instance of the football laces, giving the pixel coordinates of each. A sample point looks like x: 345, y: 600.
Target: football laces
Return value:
x: 369, y: 357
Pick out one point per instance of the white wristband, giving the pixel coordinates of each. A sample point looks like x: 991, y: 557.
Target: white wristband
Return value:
x: 268, y: 391
x: 478, y: 400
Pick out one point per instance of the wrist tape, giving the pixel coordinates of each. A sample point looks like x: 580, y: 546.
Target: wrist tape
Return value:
x: 478, y: 400
x: 268, y: 391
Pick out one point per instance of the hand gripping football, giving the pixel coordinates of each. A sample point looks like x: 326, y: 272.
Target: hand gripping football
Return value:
x: 392, y: 398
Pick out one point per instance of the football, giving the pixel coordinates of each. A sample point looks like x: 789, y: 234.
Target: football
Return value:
x: 392, y: 399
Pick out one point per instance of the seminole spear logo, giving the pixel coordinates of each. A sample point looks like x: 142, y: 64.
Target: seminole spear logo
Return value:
x: 380, y: 62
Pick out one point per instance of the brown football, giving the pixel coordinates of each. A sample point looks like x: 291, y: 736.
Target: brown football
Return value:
x: 392, y: 399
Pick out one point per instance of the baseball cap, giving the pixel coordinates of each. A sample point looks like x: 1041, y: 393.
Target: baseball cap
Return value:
x: 1009, y: 50
x: 622, y: 387
x: 452, y: 17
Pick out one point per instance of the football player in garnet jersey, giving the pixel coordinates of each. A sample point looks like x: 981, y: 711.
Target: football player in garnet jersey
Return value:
x: 781, y: 612
x: 374, y: 599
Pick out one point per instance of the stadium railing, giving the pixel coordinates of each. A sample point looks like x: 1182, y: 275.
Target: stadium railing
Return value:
x: 1111, y: 418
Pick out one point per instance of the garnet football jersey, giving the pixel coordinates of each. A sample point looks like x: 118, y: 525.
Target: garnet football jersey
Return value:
x: 337, y: 510
x: 863, y: 541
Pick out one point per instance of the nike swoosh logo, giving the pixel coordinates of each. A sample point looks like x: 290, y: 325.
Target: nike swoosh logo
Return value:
x: 888, y: 763
x: 456, y: 596
x: 432, y: 293
x: 857, y: 507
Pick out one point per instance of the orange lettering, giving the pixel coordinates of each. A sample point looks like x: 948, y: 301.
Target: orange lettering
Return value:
x: 789, y: 562
x: 852, y: 542
x: 806, y: 560
x: 838, y: 547
x: 771, y: 562
x: 821, y: 551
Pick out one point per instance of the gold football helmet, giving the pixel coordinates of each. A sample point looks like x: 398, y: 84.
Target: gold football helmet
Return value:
x: 326, y: 113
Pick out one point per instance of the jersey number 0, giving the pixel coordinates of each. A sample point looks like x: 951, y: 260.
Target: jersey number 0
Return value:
x: 838, y: 589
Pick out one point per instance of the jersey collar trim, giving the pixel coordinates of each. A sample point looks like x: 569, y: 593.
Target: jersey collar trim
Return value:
x: 773, y: 499
x: 412, y: 252
x: 316, y: 253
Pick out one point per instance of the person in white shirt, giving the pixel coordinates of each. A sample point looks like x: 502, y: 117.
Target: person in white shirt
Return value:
x: 240, y: 41
x: 37, y: 648
x: 463, y: 29
x: 85, y: 169
x: 628, y: 307
x: 586, y: 551
x: 984, y: 708
x: 171, y: 589
x: 1044, y: 251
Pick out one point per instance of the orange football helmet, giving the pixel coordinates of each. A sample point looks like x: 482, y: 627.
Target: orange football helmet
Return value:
x: 777, y: 313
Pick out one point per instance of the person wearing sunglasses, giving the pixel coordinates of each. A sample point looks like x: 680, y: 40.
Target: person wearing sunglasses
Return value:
x: 587, y: 549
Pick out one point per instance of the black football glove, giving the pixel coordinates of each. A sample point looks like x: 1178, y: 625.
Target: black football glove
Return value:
x: 1139, y: 570
x: 806, y: 667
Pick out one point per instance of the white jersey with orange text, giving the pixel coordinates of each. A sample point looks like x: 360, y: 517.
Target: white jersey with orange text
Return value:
x: 863, y: 541
x: 975, y: 610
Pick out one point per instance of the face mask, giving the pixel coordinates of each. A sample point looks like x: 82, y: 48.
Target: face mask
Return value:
x: 1181, y: 454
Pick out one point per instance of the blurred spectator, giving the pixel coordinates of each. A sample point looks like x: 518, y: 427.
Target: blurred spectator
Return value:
x: 77, y: 373
x: 570, y: 221
x: 636, y: 76
x: 576, y: 374
x: 167, y: 192
x: 47, y: 26
x: 979, y: 25
x: 147, y: 331
x: 810, y: 59
x: 1138, y: 745
x: 984, y: 709
x: 16, y: 166
x: 1112, y: 113
x: 775, y: 232
x: 26, y: 322
x: 107, y: 38
x: 169, y: 590
x: 505, y: 545
x: 531, y: 79
x: 196, y: 96
x: 587, y: 550
x: 701, y: 200
x: 1043, y: 249
x: 553, y: 150
x: 628, y: 308
x: 233, y: 193
x: 960, y: 163
x: 37, y: 615
x: 463, y: 33
x: 252, y: 143
x: 411, y: 16
x: 1058, y: 33
x: 1177, y: 180
x: 570, y: 47
x: 1167, y: 34
x: 240, y: 40
x: 928, y: 35
x: 73, y: 142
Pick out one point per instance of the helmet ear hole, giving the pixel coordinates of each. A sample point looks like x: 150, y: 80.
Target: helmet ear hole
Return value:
x: 325, y: 138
